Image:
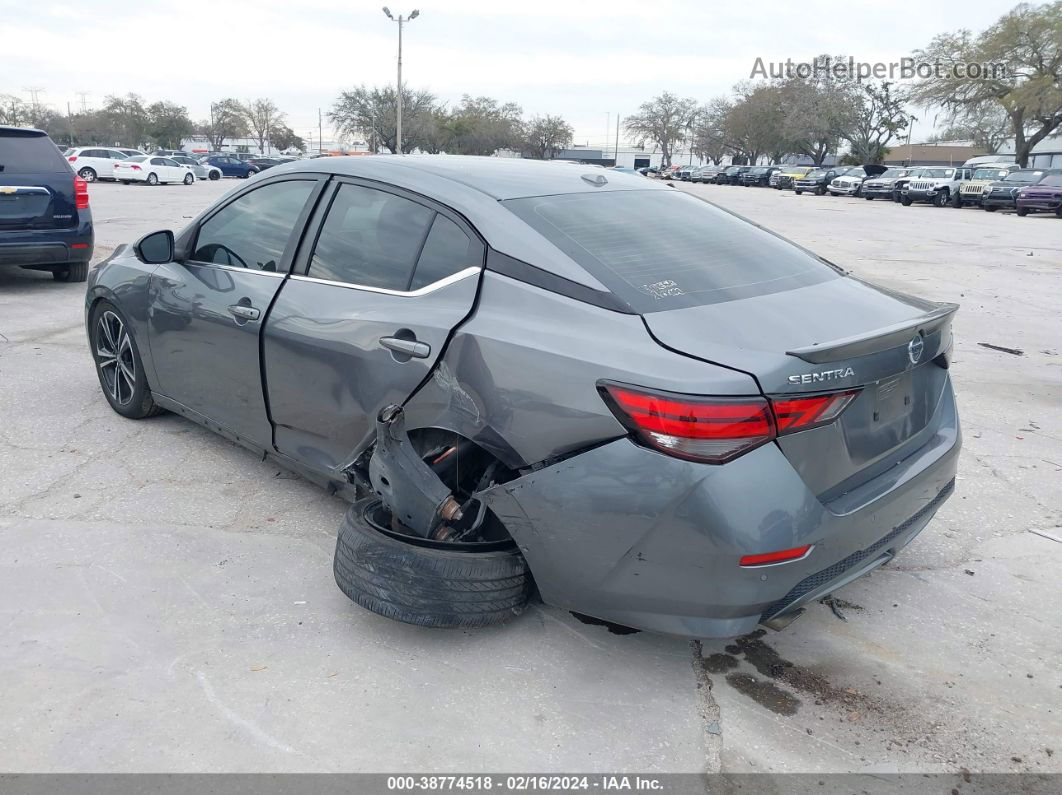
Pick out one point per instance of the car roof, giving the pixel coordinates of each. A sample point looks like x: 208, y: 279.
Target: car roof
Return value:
x: 500, y: 178
x: 28, y: 132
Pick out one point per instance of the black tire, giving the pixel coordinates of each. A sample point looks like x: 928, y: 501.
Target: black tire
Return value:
x: 76, y: 272
x: 869, y: 198
x: 87, y: 174
x: 134, y: 403
x: 989, y: 209
x: 426, y: 586
x: 188, y: 179
x: 941, y: 199
x: 1022, y: 211
x: 905, y: 201
x: 1058, y: 212
x: 152, y: 179
x: 820, y: 190
x: 214, y: 175
x: 956, y: 201
x: 125, y: 181
x: 798, y: 192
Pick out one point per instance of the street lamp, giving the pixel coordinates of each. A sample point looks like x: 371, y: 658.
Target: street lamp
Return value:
x: 401, y: 21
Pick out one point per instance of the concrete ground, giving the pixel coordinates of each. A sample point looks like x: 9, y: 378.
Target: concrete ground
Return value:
x: 167, y: 604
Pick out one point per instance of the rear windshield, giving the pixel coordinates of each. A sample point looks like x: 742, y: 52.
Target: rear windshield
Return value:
x: 29, y: 154
x: 659, y: 250
x: 137, y: 159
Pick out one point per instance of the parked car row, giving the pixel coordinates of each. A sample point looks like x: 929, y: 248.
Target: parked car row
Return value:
x: 93, y: 163
x: 988, y: 185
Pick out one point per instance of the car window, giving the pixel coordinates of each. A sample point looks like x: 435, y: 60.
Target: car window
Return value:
x: 446, y: 251
x: 370, y: 238
x: 698, y: 254
x: 25, y: 153
x: 168, y: 162
x: 253, y: 231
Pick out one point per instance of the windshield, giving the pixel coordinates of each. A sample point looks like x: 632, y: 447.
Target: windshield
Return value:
x: 1023, y: 176
x: 937, y: 173
x: 1054, y: 180
x: 990, y: 173
x: 698, y: 253
x: 891, y: 172
x: 818, y: 172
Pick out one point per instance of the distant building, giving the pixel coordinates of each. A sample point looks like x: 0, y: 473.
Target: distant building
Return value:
x: 1046, y: 154
x: 937, y: 154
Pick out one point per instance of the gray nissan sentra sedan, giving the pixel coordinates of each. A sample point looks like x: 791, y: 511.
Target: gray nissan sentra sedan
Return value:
x: 543, y: 377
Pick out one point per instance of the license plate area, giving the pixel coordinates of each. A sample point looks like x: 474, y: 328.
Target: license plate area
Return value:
x: 893, y: 399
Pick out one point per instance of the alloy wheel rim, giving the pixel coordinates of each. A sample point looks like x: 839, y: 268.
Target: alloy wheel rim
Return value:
x: 114, y: 357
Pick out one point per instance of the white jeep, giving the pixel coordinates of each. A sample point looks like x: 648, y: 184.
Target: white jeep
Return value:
x: 935, y: 184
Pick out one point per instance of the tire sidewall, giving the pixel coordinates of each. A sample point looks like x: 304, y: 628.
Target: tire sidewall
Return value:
x: 152, y: 179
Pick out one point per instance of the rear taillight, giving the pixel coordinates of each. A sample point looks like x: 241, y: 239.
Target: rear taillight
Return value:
x: 771, y: 558
x: 81, y: 198
x: 72, y: 158
x: 717, y: 429
x: 136, y: 168
x: 794, y: 414
x: 713, y: 430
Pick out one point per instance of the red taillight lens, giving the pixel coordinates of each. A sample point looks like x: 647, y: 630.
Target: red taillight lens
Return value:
x: 713, y: 430
x: 81, y: 198
x: 717, y: 429
x: 72, y: 158
x: 801, y: 413
x: 136, y: 168
x: 781, y: 556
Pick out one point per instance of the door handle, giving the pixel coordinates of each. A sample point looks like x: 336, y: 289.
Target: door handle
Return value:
x: 245, y: 312
x: 418, y: 350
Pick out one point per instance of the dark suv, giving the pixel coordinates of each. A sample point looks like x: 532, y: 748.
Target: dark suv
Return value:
x: 45, y: 222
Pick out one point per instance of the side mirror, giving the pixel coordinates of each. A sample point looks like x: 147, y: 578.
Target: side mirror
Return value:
x: 156, y: 248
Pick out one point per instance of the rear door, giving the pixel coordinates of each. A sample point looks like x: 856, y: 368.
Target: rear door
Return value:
x: 208, y: 308
x: 36, y: 183
x: 363, y: 320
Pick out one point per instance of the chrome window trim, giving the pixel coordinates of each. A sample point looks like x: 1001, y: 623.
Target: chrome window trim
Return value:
x: 428, y: 288
x: 235, y: 268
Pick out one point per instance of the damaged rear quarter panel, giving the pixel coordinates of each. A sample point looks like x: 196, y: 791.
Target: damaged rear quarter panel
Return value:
x: 520, y: 376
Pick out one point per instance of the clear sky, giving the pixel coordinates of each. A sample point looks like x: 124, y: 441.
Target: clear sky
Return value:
x: 587, y: 61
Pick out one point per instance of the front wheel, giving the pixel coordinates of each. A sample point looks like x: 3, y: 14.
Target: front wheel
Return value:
x: 988, y: 209
x: 152, y: 179
x: 215, y: 175
x: 820, y: 191
x: 869, y: 198
x: 940, y: 200
x: 118, y: 364
x: 956, y: 201
x: 1022, y: 211
x: 188, y: 179
x: 87, y: 174
x: 798, y: 192
x: 430, y: 584
x: 905, y: 201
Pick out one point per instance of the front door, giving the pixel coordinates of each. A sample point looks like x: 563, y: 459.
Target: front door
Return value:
x: 364, y: 318
x: 206, y: 312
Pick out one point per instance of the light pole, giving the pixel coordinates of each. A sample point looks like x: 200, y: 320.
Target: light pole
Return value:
x: 401, y: 21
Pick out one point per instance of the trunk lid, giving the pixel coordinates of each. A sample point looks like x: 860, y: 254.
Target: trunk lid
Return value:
x: 830, y: 336
x: 36, y: 183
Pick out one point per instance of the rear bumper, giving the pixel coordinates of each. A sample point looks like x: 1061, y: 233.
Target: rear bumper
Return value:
x: 631, y: 536
x: 46, y: 247
x: 130, y: 175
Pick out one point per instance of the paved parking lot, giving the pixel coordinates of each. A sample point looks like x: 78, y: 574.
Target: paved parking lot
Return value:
x: 167, y: 603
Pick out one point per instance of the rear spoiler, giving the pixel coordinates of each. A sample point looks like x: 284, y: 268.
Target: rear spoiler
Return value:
x: 878, y: 340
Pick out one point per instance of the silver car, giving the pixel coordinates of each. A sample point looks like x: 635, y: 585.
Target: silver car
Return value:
x: 201, y: 170
x: 549, y: 379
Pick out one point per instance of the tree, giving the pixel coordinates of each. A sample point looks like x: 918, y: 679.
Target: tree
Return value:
x: 665, y: 120
x: 372, y: 114
x: 14, y: 111
x: 753, y: 125
x: 877, y: 117
x: 544, y: 136
x: 708, y: 137
x: 986, y: 124
x: 1022, y: 58
x: 814, y: 110
x: 226, y: 121
x: 168, y: 124
x: 262, y: 117
x: 480, y: 126
x: 284, y: 138
x: 129, y: 118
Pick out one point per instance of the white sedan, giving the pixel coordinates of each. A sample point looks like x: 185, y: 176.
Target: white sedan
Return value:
x: 152, y: 169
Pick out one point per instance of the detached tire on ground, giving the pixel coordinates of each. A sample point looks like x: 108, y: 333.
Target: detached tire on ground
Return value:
x: 427, y: 583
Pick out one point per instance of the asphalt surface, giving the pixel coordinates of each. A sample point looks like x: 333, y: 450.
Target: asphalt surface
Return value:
x: 167, y: 603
